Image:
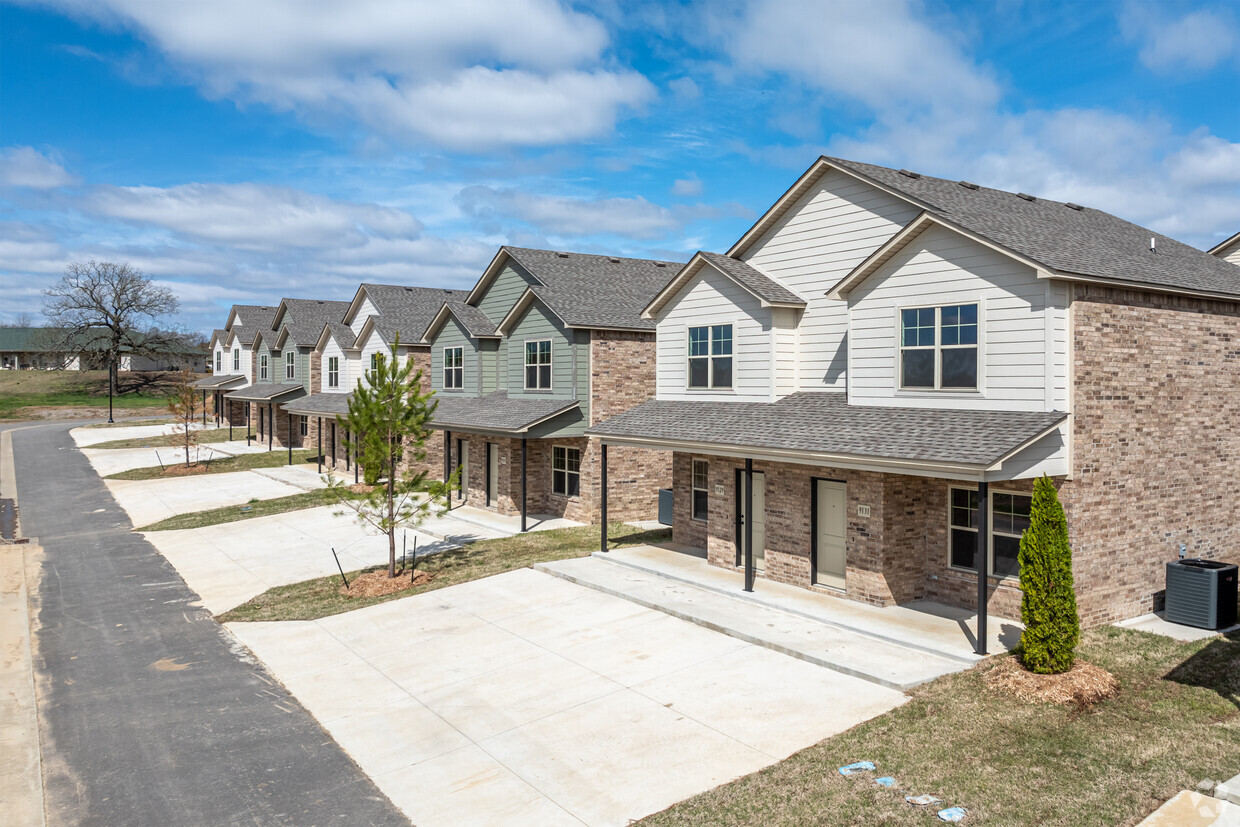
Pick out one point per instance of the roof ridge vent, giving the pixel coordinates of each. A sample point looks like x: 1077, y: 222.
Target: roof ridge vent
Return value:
x: 561, y: 255
x: 969, y: 185
x: 1025, y: 196
x: 613, y: 260
x: 908, y: 173
x: 1072, y: 206
x: 660, y: 264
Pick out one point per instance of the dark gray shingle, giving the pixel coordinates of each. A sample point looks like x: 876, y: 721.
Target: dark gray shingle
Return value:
x: 407, y: 311
x: 304, y: 318
x: 497, y: 411
x: 267, y: 392
x: 475, y: 322
x: 753, y: 280
x: 320, y: 404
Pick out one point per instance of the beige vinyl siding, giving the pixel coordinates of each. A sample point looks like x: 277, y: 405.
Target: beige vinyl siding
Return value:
x: 1231, y: 253
x: 364, y: 312
x: 819, y: 240
x: 784, y: 355
x: 333, y: 349
x: 711, y: 299
x: 537, y: 322
x: 453, y: 335
x: 940, y: 267
x: 504, y: 291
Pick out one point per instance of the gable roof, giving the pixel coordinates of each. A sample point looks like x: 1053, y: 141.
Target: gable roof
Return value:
x: 407, y: 311
x: 749, y: 278
x: 1219, y: 249
x: 255, y: 315
x: 475, y: 322
x: 218, y: 335
x: 341, y: 332
x: 1064, y: 240
x: 593, y: 291
x: 307, y: 319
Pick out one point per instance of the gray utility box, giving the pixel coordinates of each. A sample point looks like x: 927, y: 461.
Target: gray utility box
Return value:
x: 666, y: 509
x: 1201, y: 593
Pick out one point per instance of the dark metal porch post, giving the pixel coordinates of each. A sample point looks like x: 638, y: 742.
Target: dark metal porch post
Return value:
x: 247, y: 424
x: 357, y: 466
x: 983, y: 561
x: 333, y: 444
x: 320, y: 445
x: 524, y: 487
x: 271, y: 426
x: 603, y: 492
x: 347, y: 458
x: 290, y: 437
x: 447, y: 462
x: 748, y: 525
x: 230, y: 420
x: 204, y: 408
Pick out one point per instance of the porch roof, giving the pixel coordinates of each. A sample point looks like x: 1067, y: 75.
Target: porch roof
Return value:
x: 319, y: 404
x: 823, y: 426
x: 218, y: 381
x: 267, y: 392
x: 497, y: 411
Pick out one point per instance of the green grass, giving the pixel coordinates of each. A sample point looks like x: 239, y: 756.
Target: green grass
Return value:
x: 222, y: 465
x: 257, y: 508
x: 312, y: 599
x: 80, y: 388
x: 1175, y: 721
x: 167, y: 440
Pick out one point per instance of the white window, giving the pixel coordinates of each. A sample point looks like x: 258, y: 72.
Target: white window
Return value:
x: 236, y: 358
x: 333, y: 371
x: 290, y: 365
x: 538, y: 365
x: 1009, y: 517
x: 701, y: 497
x: 565, y: 471
x: 262, y: 366
x: 938, y: 347
x: 710, y: 356
x: 219, y: 360
x: 454, y: 367
x: 376, y: 359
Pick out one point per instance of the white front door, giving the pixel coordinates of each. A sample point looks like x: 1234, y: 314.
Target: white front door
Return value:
x: 492, y: 475
x: 829, y: 545
x: 759, y: 519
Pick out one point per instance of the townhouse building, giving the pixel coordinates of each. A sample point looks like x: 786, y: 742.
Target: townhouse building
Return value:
x: 857, y: 396
x: 232, y: 361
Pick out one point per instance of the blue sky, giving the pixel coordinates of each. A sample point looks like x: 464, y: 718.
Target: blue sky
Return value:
x: 245, y: 150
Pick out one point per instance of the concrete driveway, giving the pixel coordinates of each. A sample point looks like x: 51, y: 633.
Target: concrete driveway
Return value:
x: 525, y: 699
x: 85, y: 437
x: 227, y: 564
x: 149, y: 501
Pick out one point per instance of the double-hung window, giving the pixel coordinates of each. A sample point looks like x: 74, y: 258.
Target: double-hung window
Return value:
x: 236, y: 358
x: 710, y: 356
x: 565, y: 471
x: 1009, y: 517
x: 938, y: 347
x: 290, y: 365
x: 538, y: 365
x: 333, y: 371
x: 262, y: 366
x: 376, y: 359
x: 454, y: 367
x: 219, y: 361
x: 701, y: 496
x: 304, y: 421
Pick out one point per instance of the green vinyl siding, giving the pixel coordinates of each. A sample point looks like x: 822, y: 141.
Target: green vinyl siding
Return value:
x: 570, y: 423
x: 503, y: 293
x: 536, y: 322
x: 303, y: 368
x: 453, y: 335
x: 488, y: 361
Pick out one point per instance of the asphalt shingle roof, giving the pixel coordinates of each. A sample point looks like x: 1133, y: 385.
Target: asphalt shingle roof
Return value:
x: 341, y: 332
x: 218, y: 381
x: 253, y: 319
x: 408, y: 311
x: 497, y: 411
x: 476, y: 322
x: 596, y: 291
x: 265, y: 392
x: 320, y: 404
x: 824, y: 423
x: 753, y: 280
x: 1087, y: 242
x: 305, y: 318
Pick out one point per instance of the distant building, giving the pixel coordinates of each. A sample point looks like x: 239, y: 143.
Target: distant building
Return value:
x: 43, y: 348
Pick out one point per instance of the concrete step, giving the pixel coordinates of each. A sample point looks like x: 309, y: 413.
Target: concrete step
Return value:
x: 841, y: 650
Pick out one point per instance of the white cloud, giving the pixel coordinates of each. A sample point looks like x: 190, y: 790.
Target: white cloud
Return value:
x: 558, y: 215
x: 24, y: 166
x: 690, y: 187
x: 1198, y: 40
x: 467, y: 74
x: 252, y: 216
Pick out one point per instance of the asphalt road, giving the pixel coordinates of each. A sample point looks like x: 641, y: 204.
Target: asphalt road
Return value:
x: 150, y: 712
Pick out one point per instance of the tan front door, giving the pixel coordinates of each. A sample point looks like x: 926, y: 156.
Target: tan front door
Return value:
x: 492, y: 475
x: 759, y: 519
x: 831, y: 508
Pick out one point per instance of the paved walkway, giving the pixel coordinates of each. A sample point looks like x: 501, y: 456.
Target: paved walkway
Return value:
x: 524, y: 699
x: 150, y: 712
x: 149, y: 501
x: 84, y: 437
x: 1190, y: 809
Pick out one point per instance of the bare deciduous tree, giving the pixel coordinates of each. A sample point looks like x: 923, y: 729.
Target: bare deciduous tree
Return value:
x: 184, y: 407
x: 23, y: 320
x: 105, y: 309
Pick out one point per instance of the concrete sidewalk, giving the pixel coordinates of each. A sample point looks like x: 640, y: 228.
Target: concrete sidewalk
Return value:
x: 149, y: 501
x: 85, y: 437
x: 1190, y: 809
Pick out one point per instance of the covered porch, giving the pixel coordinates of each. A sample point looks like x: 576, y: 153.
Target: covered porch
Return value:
x: 265, y: 399
x: 218, y: 385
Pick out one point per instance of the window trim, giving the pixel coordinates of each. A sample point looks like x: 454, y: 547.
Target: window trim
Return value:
x: 458, y: 370
x: 978, y: 390
x: 236, y: 358
x: 290, y: 364
x: 219, y: 361
x: 304, y: 425
x: 333, y: 371
x: 525, y: 365
x: 710, y: 357
x: 990, y: 534
x: 565, y: 494
x: 262, y: 366
x: 693, y: 489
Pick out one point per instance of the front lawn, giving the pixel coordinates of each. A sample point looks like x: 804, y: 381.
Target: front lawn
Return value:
x: 312, y: 599
x: 21, y: 389
x: 220, y: 465
x: 168, y: 440
x: 1175, y: 721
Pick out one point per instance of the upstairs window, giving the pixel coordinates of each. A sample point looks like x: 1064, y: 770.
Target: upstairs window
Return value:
x: 454, y: 368
x: 219, y: 360
x: 290, y: 365
x: 236, y: 358
x: 538, y: 365
x: 333, y: 371
x: 262, y: 366
x: 701, y: 496
x: 710, y: 356
x: 565, y: 471
x: 938, y: 347
x: 376, y: 359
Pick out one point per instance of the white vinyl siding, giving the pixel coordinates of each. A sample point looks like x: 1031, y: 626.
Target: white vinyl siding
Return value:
x: 822, y: 237
x: 373, y: 345
x: 712, y: 299
x: 364, y: 312
x: 1023, y: 331
x: 1231, y: 253
x: 332, y: 350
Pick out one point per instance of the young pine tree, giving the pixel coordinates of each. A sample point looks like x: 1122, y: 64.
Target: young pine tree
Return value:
x: 183, y: 405
x: 1048, y: 603
x: 389, y: 418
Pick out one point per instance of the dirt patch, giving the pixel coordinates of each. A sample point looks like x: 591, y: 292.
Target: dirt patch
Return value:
x: 377, y: 583
x: 1083, y: 685
x: 65, y: 413
x: 183, y: 470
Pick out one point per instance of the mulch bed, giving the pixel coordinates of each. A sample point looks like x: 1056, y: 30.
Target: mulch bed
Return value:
x: 1081, y: 686
x: 183, y: 470
x: 377, y: 583
x: 361, y: 488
